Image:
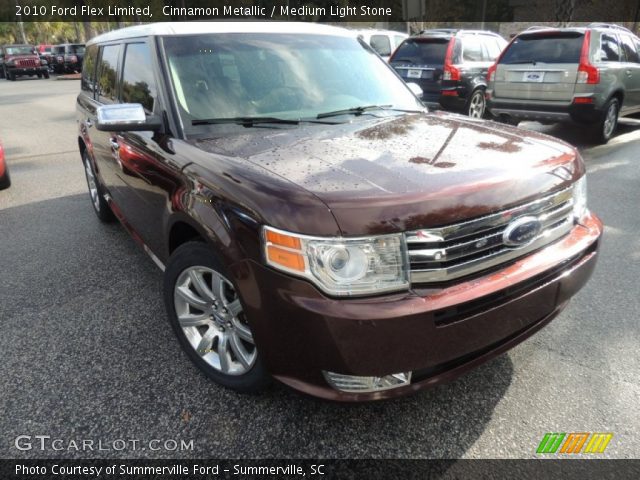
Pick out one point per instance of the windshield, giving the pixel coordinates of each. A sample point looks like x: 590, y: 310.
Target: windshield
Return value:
x: 282, y: 76
x: 20, y: 50
x: 552, y: 48
x: 75, y: 49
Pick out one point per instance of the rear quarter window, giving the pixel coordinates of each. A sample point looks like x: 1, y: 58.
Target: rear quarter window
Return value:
x: 472, y: 50
x: 422, y: 51
x: 549, y: 48
x: 609, y: 48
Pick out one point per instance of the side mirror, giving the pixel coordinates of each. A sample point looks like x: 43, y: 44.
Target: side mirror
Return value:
x: 126, y: 117
x: 415, y: 88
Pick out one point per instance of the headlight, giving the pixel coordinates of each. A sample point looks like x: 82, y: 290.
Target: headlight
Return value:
x: 580, y: 198
x: 340, y: 266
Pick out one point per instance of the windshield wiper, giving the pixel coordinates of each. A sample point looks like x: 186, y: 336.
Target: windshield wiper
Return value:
x: 251, y: 121
x: 245, y: 121
x: 364, y: 109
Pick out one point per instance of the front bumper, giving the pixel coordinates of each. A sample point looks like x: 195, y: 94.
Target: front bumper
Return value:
x: 437, y: 334
x: 27, y: 70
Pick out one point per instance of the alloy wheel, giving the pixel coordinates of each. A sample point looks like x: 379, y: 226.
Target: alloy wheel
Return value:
x: 210, y: 315
x: 610, y: 120
x: 477, y: 105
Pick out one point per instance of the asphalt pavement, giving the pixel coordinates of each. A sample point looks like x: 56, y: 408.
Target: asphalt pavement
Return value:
x: 86, y: 352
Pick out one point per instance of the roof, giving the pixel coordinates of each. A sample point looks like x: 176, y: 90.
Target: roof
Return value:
x: 191, y: 28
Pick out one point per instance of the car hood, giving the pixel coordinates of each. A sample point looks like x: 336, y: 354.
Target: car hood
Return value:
x: 383, y: 175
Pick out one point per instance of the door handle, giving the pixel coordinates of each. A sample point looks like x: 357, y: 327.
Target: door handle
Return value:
x: 628, y: 72
x: 88, y: 123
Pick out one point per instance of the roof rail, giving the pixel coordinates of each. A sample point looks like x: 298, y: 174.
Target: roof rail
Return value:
x: 458, y: 30
x: 612, y: 26
x: 439, y: 30
x: 538, y: 27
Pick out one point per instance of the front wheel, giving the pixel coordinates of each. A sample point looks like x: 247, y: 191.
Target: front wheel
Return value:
x: 607, y: 126
x: 207, y: 316
x: 46, y: 74
x: 477, y: 104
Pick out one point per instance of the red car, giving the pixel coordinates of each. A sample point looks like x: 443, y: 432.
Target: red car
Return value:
x: 5, y: 181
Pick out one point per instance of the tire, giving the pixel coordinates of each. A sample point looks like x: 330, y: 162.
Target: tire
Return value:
x: 46, y: 74
x: 2, y: 75
x: 606, y: 127
x: 212, y: 328
x: 11, y: 76
x: 39, y: 75
x: 96, y: 193
x: 477, y: 105
x: 5, y: 181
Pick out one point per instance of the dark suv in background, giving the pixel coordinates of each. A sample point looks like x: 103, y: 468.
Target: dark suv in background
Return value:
x: 450, y: 66
x: 68, y: 58
x: 590, y: 75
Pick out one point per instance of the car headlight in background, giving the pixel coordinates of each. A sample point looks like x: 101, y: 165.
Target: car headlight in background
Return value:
x: 340, y: 266
x: 580, y: 198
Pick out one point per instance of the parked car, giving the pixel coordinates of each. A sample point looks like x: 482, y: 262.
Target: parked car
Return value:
x: 68, y: 58
x: 313, y: 221
x: 589, y: 75
x: 384, y: 42
x: 450, y: 66
x: 44, y: 51
x: 19, y: 60
x: 5, y: 180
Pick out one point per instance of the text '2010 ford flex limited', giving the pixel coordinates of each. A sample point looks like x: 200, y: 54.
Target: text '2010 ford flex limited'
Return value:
x: 315, y: 224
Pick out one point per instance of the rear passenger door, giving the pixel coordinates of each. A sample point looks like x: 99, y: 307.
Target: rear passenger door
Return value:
x: 631, y: 72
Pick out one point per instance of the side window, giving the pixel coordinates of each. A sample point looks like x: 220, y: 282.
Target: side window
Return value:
x: 88, y: 82
x: 138, y: 82
x: 636, y: 43
x: 629, y: 49
x: 108, y: 77
x: 609, y: 48
x: 472, y: 50
x: 381, y: 44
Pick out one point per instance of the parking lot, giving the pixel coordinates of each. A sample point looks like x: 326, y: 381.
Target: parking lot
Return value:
x: 87, y: 352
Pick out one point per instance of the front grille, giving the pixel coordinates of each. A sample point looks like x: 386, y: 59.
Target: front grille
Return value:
x: 439, y: 255
x: 29, y: 62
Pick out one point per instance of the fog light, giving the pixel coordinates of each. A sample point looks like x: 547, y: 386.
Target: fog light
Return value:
x: 355, y: 384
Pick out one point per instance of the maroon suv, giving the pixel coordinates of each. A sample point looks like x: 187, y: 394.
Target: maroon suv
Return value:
x: 314, y: 223
x: 19, y: 60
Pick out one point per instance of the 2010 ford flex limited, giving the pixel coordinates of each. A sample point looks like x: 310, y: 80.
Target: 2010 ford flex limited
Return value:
x: 315, y: 224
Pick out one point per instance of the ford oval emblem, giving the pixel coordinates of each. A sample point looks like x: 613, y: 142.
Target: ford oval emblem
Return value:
x: 521, y: 231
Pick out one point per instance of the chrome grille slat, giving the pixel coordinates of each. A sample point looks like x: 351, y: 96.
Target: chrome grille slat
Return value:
x: 493, y: 220
x: 450, y: 252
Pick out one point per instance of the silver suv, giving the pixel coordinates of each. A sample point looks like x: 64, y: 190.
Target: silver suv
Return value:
x: 589, y: 75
